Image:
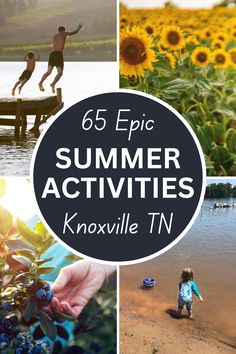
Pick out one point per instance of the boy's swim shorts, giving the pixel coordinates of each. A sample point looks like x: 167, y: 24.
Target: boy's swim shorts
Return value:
x: 56, y: 59
x: 26, y: 75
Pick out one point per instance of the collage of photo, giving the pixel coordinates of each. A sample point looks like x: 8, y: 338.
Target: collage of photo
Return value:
x: 54, y: 53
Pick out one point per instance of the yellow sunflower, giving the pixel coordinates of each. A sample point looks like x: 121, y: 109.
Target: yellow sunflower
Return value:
x: 161, y: 47
x: 220, y: 58
x: 171, y: 59
x: 192, y: 40
x: 201, y: 56
x: 136, y: 53
x: 221, y: 36
x: 172, y: 37
x: 233, y: 34
x: 232, y: 54
x: 149, y: 28
x: 217, y: 44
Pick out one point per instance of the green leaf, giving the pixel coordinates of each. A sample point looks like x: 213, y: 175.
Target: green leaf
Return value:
x: 21, y: 275
x: 29, y: 235
x: 42, y: 261
x: 178, y: 84
x: 41, y: 230
x: 20, y: 245
x: 231, y: 141
x: 28, y: 254
x: 205, y: 136
x: 47, y: 325
x: 2, y: 187
x: 31, y: 310
x: 63, y: 317
x: 45, y: 270
x: 226, y: 109
x: 23, y: 260
x: 163, y: 66
x: 124, y: 82
x: 72, y: 257
x: 6, y: 221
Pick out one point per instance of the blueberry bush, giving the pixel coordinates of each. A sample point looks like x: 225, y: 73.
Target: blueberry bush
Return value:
x: 25, y: 324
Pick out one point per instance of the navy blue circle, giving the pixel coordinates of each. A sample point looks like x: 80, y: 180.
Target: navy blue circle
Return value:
x: 168, y: 132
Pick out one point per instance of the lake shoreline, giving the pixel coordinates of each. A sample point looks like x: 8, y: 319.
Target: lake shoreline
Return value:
x: 167, y: 335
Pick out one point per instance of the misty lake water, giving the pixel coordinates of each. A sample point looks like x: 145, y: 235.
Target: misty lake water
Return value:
x: 80, y: 80
x: 210, y: 249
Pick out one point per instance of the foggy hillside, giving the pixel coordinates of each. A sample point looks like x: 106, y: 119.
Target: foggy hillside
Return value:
x: 35, y: 21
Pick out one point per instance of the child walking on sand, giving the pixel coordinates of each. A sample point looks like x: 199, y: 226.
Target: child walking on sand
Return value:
x: 26, y: 75
x: 186, y: 289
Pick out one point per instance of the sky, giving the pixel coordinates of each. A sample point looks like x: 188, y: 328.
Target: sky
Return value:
x: 159, y: 3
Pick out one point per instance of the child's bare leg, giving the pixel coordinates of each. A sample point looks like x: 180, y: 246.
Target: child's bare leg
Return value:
x: 190, y: 315
x: 57, y: 78
x: 189, y: 309
x: 179, y: 311
x: 21, y: 85
x: 14, y: 88
x: 49, y: 71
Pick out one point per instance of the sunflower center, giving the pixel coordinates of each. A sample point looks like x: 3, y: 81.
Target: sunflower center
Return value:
x: 133, y: 51
x: 149, y: 30
x: 220, y: 58
x: 173, y: 37
x: 202, y: 57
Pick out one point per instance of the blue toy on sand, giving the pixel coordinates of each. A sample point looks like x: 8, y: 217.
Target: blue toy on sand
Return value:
x: 149, y: 282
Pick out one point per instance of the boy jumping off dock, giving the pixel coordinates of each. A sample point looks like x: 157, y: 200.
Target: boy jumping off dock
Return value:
x: 56, y: 57
x: 31, y: 59
x: 186, y: 289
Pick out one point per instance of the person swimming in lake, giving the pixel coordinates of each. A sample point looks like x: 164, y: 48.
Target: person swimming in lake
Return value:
x: 186, y: 289
x: 31, y: 59
x: 56, y: 57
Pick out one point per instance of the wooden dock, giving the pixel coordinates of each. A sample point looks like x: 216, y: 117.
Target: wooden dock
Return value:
x: 42, y: 108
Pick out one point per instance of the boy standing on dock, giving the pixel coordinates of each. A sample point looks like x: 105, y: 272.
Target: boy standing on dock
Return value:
x: 56, y: 57
x: 26, y: 75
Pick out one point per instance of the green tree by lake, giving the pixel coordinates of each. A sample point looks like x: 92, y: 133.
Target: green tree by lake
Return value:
x: 220, y: 190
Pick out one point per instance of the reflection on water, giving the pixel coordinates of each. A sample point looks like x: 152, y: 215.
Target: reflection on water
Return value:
x: 210, y: 249
x: 79, y: 81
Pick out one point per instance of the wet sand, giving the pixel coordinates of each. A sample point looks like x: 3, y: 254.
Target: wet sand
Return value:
x: 209, y: 249
x: 149, y: 325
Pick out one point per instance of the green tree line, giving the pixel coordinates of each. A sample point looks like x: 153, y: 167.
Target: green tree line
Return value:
x: 226, y: 3
x: 220, y: 190
x: 13, y: 7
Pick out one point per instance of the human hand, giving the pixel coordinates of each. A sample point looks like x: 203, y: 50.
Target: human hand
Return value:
x: 75, y: 286
x: 200, y: 298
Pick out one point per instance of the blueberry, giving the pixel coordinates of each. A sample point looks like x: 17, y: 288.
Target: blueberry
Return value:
x: 13, y: 320
x: 3, y: 337
x: 49, y: 295
x: 5, y: 305
x: 37, y: 349
x: 19, y: 351
x: 6, y: 323
x: 41, y: 294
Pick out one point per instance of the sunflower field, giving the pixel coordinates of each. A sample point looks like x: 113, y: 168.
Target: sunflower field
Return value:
x: 188, y: 59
